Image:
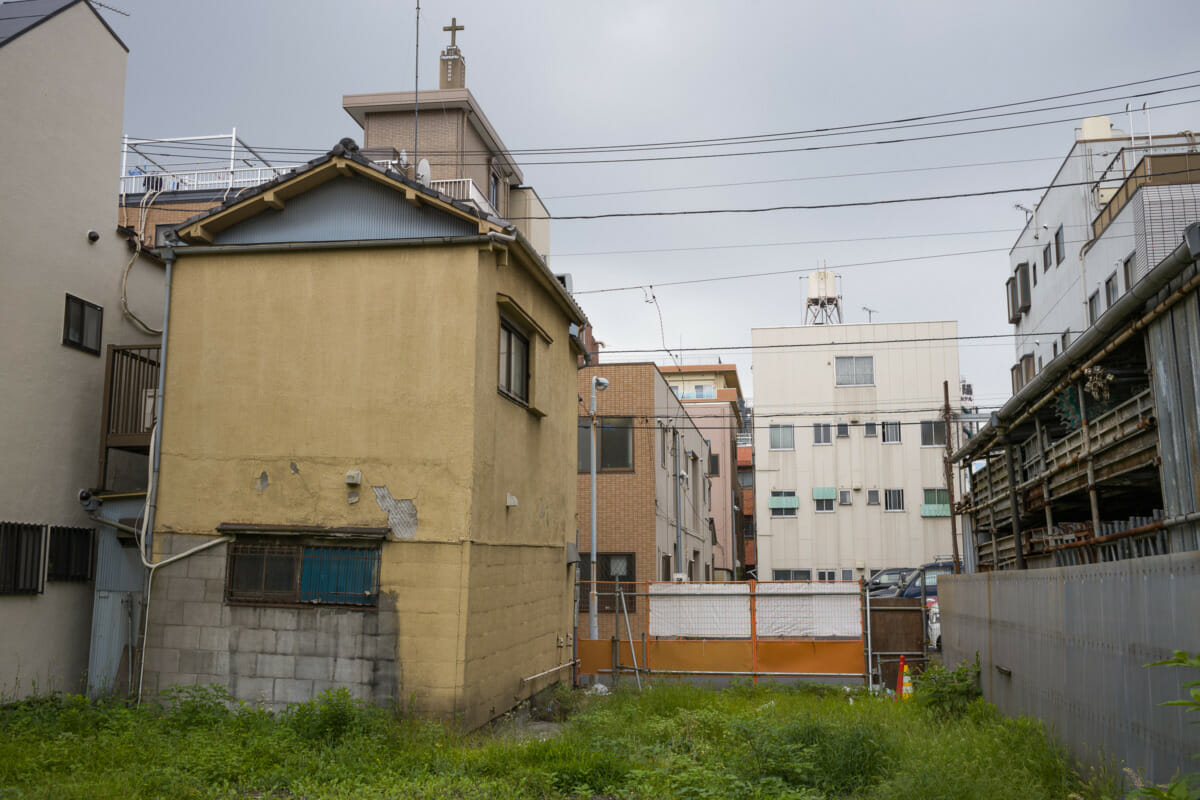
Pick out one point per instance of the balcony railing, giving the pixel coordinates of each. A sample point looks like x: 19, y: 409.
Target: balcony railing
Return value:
x: 201, y: 179
x: 245, y: 177
x: 130, y: 384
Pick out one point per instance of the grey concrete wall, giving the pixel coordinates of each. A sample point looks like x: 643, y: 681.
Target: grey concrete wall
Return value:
x: 1068, y: 645
x: 272, y: 656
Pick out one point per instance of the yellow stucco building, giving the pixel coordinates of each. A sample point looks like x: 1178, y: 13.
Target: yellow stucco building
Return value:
x: 369, y: 397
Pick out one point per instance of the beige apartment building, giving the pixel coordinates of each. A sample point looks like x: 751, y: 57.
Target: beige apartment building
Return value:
x: 641, y: 427
x: 849, y: 445
x: 61, y: 264
x: 712, y: 395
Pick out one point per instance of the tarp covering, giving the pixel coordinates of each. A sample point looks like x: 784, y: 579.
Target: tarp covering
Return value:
x: 704, y: 610
x: 802, y: 609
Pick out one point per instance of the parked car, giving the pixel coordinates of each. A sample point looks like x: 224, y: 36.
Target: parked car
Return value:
x: 923, y: 583
x: 888, y: 579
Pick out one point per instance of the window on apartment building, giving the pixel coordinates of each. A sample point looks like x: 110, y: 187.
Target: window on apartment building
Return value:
x: 514, y: 362
x: 614, y: 443
x: 843, y: 497
x: 783, y: 504
x: 1027, y: 371
x: 847, y: 574
x: 869, y: 429
x: 827, y: 574
x: 822, y: 433
x: 823, y: 498
x: 614, y: 572
x: 782, y: 437
x: 22, y: 556
x: 275, y: 571
x: 854, y: 370
x: 666, y: 568
x: 1060, y: 246
x: 1046, y: 259
x: 891, y: 432
x: 662, y: 450
x: 1026, y: 295
x: 703, y: 391
x: 71, y: 555
x: 748, y: 528
x: 745, y: 478
x: 83, y: 323
x: 937, y: 497
x: 893, y: 499
x: 824, y: 506
x: 1112, y: 290
x: 937, y: 503
x: 872, y: 497
x: 933, y: 433
x: 714, y: 464
x: 1127, y: 270
x: 1094, y: 308
x: 843, y: 430
x: 791, y: 574
x: 1014, y: 302
x: 1015, y: 374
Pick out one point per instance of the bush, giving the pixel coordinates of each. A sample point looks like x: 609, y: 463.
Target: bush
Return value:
x: 948, y: 692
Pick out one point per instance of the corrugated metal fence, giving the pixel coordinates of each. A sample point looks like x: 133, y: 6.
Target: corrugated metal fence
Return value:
x: 1067, y: 645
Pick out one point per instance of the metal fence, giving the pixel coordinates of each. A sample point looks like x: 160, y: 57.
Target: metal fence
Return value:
x: 1069, y: 646
x: 724, y: 629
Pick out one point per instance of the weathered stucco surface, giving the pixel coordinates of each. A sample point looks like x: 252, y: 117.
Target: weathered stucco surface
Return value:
x: 306, y: 365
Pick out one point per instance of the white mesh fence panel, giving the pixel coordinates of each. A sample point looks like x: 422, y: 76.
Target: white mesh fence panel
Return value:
x: 700, y: 610
x: 802, y: 609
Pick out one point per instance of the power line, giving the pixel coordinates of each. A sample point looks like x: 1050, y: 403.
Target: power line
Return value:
x: 913, y: 340
x: 803, y: 178
x: 819, y: 206
x: 826, y: 130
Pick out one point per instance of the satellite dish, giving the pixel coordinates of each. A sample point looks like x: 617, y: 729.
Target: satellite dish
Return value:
x: 403, y: 158
x: 423, y: 172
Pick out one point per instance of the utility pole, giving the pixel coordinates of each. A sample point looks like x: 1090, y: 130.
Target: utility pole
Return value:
x: 678, y: 511
x: 950, y: 474
x: 416, y: 90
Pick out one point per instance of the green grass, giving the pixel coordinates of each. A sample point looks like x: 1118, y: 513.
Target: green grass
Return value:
x: 669, y: 741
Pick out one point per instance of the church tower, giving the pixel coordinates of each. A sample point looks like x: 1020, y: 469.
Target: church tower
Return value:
x: 453, y: 74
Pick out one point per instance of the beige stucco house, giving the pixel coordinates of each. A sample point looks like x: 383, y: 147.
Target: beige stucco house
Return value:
x: 370, y: 406
x: 61, y: 264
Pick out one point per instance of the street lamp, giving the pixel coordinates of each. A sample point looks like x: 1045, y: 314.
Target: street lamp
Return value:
x: 598, y: 385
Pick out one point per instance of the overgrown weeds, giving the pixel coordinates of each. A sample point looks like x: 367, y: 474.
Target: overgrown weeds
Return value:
x: 669, y: 741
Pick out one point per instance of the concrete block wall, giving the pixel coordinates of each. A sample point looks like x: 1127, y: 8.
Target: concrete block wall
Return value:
x: 273, y: 656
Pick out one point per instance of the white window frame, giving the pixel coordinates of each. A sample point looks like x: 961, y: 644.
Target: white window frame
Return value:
x: 823, y: 506
x: 844, y: 497
x: 888, y: 429
x: 822, y: 434
x: 888, y: 497
x: 933, y: 427
x: 855, y: 378
x: 871, y: 429
x: 872, y: 493
x: 771, y: 437
x: 940, y: 492
x: 827, y: 575
x: 783, y: 512
x: 843, y: 430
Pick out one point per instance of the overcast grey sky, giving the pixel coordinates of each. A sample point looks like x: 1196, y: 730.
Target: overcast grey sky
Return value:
x: 561, y: 74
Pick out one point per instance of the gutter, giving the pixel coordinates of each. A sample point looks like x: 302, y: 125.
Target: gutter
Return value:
x: 1112, y: 323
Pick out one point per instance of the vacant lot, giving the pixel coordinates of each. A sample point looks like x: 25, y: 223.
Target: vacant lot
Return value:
x: 669, y: 741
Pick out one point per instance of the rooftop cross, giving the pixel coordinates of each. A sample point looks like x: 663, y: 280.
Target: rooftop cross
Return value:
x: 453, y: 27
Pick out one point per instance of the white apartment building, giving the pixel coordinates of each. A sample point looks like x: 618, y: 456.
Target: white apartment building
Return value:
x: 1116, y: 207
x: 849, y: 445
